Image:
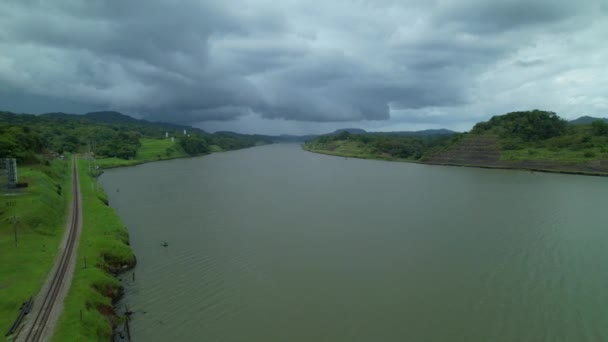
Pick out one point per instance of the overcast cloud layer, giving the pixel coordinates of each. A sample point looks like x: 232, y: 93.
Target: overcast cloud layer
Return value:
x: 299, y: 66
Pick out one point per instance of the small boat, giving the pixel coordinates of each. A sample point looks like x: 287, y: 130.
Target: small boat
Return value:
x: 164, y: 244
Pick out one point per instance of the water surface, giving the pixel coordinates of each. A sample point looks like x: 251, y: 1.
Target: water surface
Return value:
x: 277, y: 244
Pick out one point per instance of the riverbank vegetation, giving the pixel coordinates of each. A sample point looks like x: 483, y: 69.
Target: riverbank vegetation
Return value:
x: 40, y: 211
x: 534, y: 139
x: 538, y: 135
x: 103, y: 251
x: 42, y: 145
x: 110, y: 135
x: 150, y: 150
x: 380, y: 146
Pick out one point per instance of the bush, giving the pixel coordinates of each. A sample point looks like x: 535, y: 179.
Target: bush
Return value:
x: 194, y: 144
x: 599, y: 127
x: 589, y: 154
x: 529, y: 126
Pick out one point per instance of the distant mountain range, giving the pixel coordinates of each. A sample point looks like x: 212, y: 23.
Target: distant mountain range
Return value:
x: 585, y: 120
x: 359, y: 131
x: 116, y: 117
x: 111, y: 117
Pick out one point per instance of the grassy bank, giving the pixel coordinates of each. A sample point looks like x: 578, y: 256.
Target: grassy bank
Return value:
x: 150, y: 150
x: 582, y: 155
x: 351, y: 149
x: 532, y: 159
x: 41, y: 211
x: 529, y: 140
x: 104, y: 244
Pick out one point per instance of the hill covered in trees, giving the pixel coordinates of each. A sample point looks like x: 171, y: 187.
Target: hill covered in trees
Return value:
x: 107, y: 134
x: 382, y: 145
x: 535, y: 139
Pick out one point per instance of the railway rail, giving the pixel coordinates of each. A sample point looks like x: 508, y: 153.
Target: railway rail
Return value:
x: 37, y: 329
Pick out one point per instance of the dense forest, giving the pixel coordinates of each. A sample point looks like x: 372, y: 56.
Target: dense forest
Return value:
x: 385, y: 145
x: 533, y: 130
x: 107, y: 134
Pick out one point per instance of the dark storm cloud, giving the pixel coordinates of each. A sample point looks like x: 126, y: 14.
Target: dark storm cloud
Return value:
x: 491, y: 17
x: 339, y: 61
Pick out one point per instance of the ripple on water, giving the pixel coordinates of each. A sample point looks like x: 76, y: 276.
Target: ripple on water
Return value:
x: 298, y: 247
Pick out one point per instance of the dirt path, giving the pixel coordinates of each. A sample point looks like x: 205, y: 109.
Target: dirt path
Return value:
x: 41, y: 321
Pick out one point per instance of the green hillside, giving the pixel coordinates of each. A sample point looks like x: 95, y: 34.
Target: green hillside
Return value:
x: 40, y: 212
x: 535, y: 139
x: 408, y: 147
x: 108, y: 135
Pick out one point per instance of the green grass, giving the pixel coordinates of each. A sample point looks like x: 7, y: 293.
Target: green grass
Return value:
x: 215, y: 148
x: 153, y: 149
x: 562, y: 155
x: 573, y: 151
x: 150, y: 150
x: 104, y: 243
x: 41, y: 210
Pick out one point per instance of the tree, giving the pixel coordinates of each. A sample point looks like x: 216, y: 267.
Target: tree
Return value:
x: 531, y: 125
x: 194, y: 144
x: 344, y: 135
x: 599, y: 127
x: 70, y: 143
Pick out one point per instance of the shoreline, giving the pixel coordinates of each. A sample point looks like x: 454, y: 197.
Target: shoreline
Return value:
x: 104, y: 252
x: 140, y: 162
x: 116, y: 292
x: 512, y: 168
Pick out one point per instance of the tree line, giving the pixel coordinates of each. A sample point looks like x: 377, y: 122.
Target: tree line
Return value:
x: 514, y: 131
x: 396, y: 146
x: 543, y: 129
x: 25, y: 136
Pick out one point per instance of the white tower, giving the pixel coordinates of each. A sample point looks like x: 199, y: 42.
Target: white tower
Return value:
x: 10, y: 164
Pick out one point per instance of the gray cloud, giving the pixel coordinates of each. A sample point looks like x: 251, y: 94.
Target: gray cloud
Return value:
x: 346, y: 62
x: 491, y: 17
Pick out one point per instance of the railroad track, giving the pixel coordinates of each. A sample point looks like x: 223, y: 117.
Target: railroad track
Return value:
x: 36, y: 330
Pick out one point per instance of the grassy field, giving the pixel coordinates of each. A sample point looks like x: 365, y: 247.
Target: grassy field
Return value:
x: 104, y: 244
x: 564, y: 155
x: 151, y: 150
x: 41, y: 210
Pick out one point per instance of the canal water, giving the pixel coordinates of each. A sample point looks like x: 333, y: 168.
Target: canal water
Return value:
x: 274, y: 243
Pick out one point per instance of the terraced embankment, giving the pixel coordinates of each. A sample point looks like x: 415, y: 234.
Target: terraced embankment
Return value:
x: 473, y: 150
x: 485, y: 151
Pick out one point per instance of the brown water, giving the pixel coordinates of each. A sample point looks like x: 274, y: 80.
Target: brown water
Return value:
x: 277, y: 244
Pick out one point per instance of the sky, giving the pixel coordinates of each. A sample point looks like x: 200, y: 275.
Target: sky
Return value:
x: 299, y: 67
